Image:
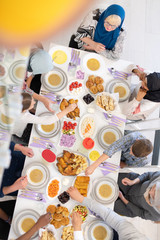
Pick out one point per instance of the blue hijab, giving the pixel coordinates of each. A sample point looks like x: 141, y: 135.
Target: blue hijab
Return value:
x: 101, y: 35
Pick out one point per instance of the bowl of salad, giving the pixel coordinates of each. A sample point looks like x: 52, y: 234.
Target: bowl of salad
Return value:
x: 82, y: 210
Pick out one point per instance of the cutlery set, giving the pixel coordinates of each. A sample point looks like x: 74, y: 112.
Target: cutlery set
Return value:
x: 29, y: 194
x: 75, y: 60
x: 118, y: 74
x: 42, y: 143
x: 114, y: 120
x: 107, y: 168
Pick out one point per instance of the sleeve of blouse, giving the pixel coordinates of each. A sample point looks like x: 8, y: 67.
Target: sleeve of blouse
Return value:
x: 86, y: 28
x: 116, y: 52
x: 131, y: 107
x: 30, y: 118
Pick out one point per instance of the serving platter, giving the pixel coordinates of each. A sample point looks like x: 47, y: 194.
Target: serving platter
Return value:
x: 89, y: 116
x: 52, y: 198
x: 89, y: 185
x: 74, y: 152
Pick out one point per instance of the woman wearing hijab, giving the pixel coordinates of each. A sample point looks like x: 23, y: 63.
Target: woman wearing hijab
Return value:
x: 139, y: 195
x: 102, y: 32
x: 145, y: 97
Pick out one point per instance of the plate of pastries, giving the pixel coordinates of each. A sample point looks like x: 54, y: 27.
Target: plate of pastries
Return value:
x: 66, y: 102
x: 83, y: 184
x: 106, y: 102
x: 95, y: 84
x: 60, y: 215
x: 71, y: 163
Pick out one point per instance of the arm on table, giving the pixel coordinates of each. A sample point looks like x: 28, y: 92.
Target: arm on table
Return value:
x: 20, y: 183
x: 42, y: 221
x: 29, y: 80
x: 116, y: 52
x: 125, y: 229
x: 89, y: 170
x: 25, y: 150
x: 77, y: 222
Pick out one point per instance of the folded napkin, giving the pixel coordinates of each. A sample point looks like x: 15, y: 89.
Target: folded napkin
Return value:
x: 118, y: 74
x: 107, y: 168
x: 115, y: 120
x: 42, y: 143
x: 32, y: 195
x: 75, y: 59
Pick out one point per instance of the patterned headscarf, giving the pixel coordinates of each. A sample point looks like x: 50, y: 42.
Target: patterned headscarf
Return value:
x: 101, y: 35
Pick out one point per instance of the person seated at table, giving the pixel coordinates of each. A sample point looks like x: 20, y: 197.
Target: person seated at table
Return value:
x: 12, y: 180
x: 145, y: 97
x: 101, y: 31
x: 25, y: 117
x: 124, y: 229
x: 46, y: 101
x: 6, y: 213
x: 135, y: 149
x: 41, y: 222
x: 46, y: 218
x: 39, y: 62
x: 139, y: 195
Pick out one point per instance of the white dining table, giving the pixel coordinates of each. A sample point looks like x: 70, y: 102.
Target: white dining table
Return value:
x: 22, y: 203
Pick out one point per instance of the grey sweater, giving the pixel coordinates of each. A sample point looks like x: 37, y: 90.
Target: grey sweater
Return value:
x: 137, y: 205
x: 125, y: 229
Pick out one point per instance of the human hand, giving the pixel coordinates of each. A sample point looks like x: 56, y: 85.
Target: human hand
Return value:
x: 128, y: 182
x: 88, y: 47
x: 89, y: 170
x: 44, y: 220
x: 71, y: 107
x: 20, y: 183
x: 98, y: 47
x: 76, y: 221
x: 141, y: 93
x: 47, y: 102
x: 120, y: 195
x: 75, y: 194
x: 27, y: 151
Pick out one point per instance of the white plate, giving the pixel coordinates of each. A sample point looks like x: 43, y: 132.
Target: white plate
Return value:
x: 89, y: 185
x: 46, y: 174
x: 113, y: 96
x: 13, y: 68
x: 97, y: 57
x: 42, y: 133
x: 60, y: 48
x: 80, y: 125
x: 96, y: 185
x: 103, y: 130
x: 80, y: 106
x: 76, y: 92
x: 89, y: 228
x: 116, y: 82
x: 61, y: 74
x: 51, y: 198
x: 77, y: 153
x: 17, y: 221
x: 6, y: 71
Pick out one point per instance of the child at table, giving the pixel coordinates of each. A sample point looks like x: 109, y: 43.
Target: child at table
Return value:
x: 26, y: 117
x: 135, y: 149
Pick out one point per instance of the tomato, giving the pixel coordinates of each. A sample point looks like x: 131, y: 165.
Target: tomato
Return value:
x: 75, y: 124
x: 80, y: 85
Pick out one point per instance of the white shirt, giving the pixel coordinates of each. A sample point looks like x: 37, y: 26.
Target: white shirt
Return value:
x: 27, y: 117
x: 125, y: 229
